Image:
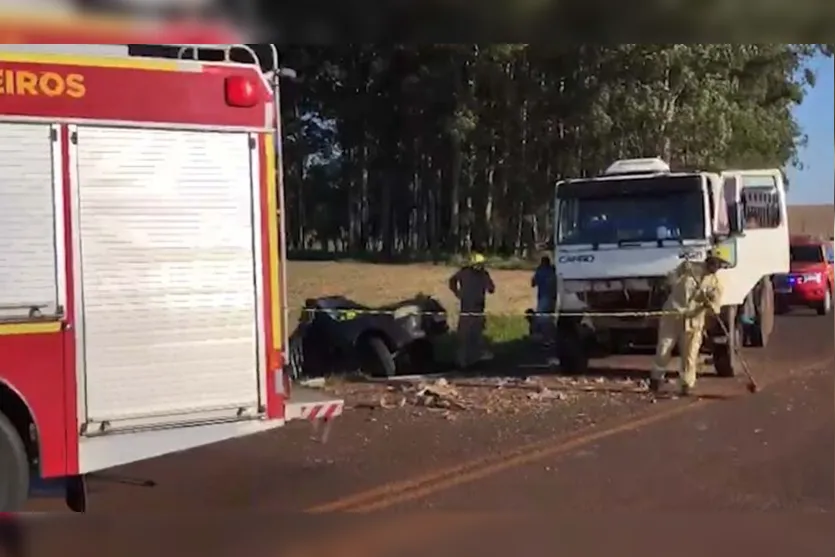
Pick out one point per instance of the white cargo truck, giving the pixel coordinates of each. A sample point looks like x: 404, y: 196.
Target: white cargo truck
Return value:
x: 619, y: 234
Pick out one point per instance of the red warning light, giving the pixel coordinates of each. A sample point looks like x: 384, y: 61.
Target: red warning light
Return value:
x: 241, y: 92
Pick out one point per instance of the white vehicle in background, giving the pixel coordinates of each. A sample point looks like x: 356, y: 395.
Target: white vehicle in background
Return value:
x: 618, y: 235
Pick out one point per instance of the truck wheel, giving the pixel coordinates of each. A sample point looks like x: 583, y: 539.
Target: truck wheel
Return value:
x: 375, y: 357
x: 761, y: 330
x: 572, y: 350
x: 826, y: 305
x: 724, y: 354
x: 14, y: 468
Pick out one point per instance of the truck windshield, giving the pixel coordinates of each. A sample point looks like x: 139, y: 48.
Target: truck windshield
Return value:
x: 806, y: 254
x: 631, y: 215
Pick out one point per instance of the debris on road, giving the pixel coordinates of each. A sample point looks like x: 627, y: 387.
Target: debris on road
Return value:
x: 384, y: 402
x: 439, y: 394
x: 448, y: 396
x: 451, y: 395
x: 547, y: 394
x: 314, y: 383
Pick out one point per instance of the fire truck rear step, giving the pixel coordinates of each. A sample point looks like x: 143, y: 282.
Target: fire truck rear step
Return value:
x: 170, y: 420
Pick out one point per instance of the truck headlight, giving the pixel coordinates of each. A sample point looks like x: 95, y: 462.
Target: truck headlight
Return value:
x: 812, y: 277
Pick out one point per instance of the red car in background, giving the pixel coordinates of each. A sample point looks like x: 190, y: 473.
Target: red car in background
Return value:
x: 810, y: 279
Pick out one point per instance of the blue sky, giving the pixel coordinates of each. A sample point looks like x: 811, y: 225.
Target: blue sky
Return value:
x: 815, y: 183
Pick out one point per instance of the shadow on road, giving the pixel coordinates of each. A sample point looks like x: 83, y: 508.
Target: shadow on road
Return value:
x: 524, y: 364
x: 11, y: 537
x: 522, y: 358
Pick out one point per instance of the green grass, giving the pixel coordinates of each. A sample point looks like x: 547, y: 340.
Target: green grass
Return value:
x: 506, y: 328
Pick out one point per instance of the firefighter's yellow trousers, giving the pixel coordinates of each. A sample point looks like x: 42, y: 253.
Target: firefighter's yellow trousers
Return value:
x: 687, y: 334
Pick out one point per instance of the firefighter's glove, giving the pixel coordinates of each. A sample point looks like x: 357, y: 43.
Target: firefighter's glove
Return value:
x: 707, y: 297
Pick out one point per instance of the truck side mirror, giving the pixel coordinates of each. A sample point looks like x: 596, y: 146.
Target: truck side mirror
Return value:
x: 735, y: 219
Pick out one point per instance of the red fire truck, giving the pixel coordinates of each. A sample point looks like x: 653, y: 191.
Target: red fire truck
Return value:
x: 142, y: 282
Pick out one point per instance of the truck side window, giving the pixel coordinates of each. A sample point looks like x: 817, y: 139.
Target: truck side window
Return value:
x: 761, y: 207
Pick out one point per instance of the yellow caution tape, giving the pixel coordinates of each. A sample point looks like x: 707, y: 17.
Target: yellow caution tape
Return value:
x: 348, y: 314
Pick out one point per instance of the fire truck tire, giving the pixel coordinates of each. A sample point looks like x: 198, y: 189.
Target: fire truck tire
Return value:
x: 14, y: 468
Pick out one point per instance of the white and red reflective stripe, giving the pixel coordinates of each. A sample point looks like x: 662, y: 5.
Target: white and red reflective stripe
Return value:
x: 322, y: 411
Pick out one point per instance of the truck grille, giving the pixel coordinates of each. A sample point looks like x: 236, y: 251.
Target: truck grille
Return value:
x: 625, y: 300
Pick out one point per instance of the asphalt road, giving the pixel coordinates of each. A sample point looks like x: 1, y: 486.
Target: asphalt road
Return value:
x: 727, y: 471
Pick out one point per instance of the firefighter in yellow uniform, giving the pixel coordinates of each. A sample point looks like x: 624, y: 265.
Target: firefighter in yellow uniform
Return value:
x: 695, y: 292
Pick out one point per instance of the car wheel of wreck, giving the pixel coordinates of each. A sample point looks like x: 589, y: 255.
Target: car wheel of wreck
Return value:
x: 375, y: 358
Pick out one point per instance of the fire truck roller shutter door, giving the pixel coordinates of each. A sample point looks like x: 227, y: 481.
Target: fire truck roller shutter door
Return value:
x: 170, y: 276
x: 27, y: 221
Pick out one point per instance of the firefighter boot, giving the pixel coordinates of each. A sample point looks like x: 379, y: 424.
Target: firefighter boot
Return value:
x: 655, y: 385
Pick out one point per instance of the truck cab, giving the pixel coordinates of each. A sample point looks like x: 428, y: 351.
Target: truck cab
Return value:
x: 618, y: 235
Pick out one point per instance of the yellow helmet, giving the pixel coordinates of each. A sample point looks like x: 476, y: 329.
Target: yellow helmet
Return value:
x: 719, y: 254
x: 477, y: 259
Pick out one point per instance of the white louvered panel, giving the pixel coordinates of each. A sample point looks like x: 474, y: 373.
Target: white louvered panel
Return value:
x: 27, y: 219
x: 168, y: 272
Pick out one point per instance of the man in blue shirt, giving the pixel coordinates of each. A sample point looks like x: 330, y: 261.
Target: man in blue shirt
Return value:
x: 545, y: 281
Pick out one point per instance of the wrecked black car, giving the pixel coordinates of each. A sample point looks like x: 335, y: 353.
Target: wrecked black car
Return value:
x: 336, y: 334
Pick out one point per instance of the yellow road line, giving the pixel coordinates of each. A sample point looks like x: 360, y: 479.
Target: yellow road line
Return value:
x: 385, y: 492
x: 528, y: 457
x: 399, y: 492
